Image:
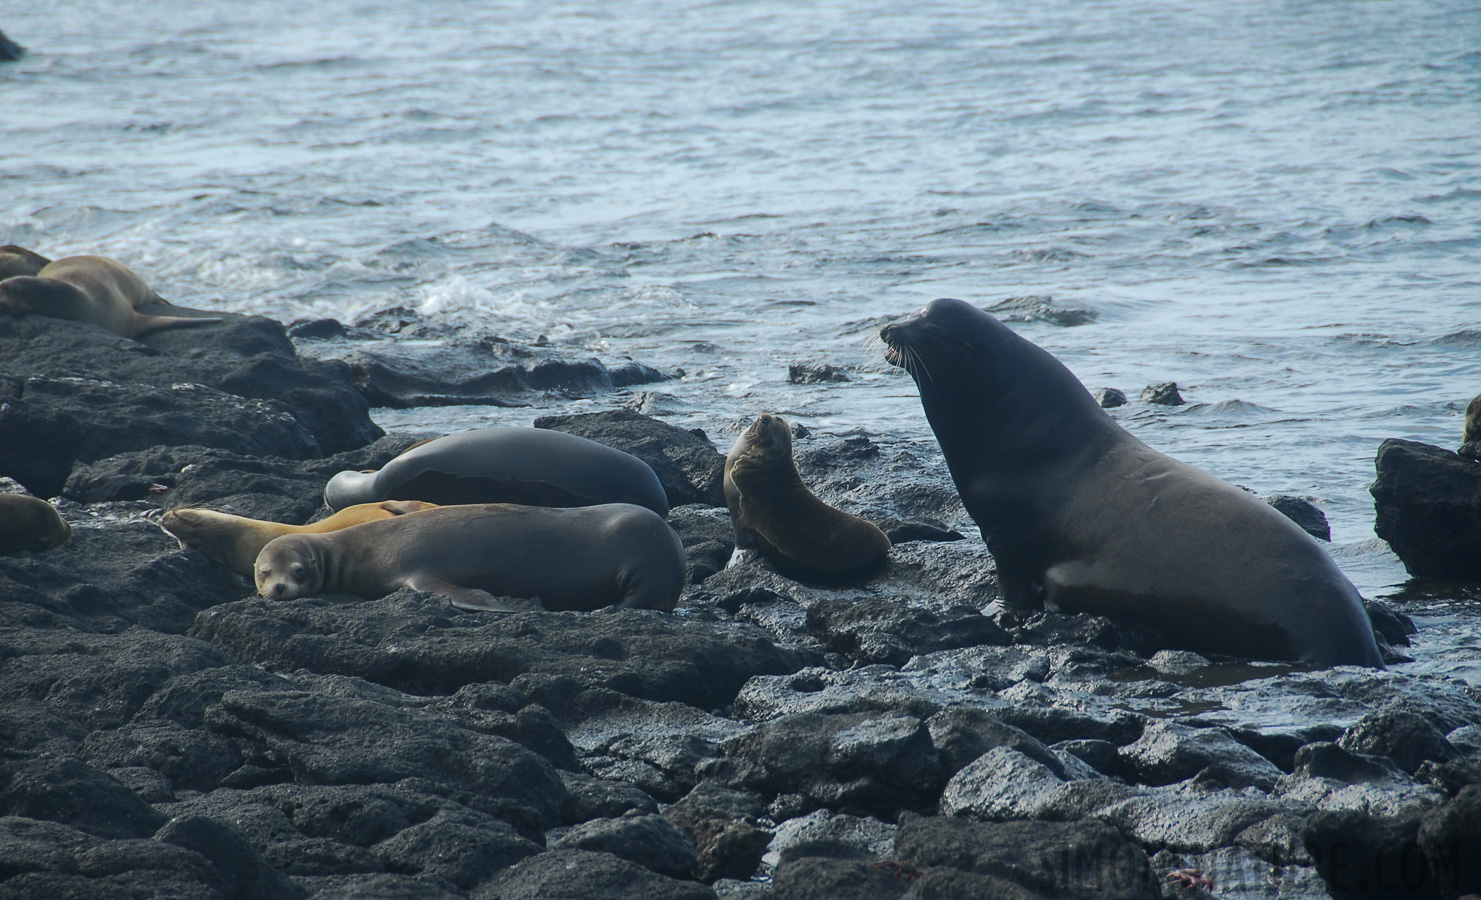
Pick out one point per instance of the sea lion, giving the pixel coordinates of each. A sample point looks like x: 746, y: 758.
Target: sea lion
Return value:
x: 504, y: 464
x: 20, y: 261
x: 1472, y: 434
x: 91, y: 289
x: 774, y: 512
x: 235, y: 541
x: 1081, y: 516
x: 30, y: 523
x: 581, y: 558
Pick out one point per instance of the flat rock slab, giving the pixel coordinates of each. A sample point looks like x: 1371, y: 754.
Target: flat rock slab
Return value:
x: 420, y: 644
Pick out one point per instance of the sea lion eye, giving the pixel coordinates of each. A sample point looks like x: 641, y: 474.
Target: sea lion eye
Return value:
x: 298, y: 571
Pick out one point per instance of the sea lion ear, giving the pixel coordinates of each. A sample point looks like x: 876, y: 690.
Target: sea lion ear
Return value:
x: 298, y: 571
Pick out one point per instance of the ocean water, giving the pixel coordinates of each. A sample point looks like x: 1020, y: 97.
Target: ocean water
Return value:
x: 1276, y: 204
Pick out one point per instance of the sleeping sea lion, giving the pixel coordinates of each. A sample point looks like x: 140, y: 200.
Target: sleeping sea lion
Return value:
x: 774, y: 512
x: 1081, y: 516
x: 30, y: 523
x: 91, y: 289
x: 504, y: 464
x: 580, y: 558
x: 20, y: 261
x: 235, y: 541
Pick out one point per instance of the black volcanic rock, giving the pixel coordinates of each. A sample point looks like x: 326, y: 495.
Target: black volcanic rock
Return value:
x: 688, y: 465
x: 84, y: 393
x: 1428, y: 503
x: 488, y: 372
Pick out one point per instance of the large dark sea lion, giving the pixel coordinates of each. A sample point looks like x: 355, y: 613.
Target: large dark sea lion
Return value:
x: 1081, y: 516
x: 235, y: 541
x: 30, y: 523
x: 582, y: 558
x: 91, y: 289
x: 533, y: 466
x: 775, y: 514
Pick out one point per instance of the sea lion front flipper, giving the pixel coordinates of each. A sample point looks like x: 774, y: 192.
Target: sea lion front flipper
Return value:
x: 462, y: 598
x: 148, y: 323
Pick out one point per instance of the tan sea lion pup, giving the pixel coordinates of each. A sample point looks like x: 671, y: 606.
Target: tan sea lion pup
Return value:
x: 30, y: 523
x: 235, y: 541
x: 579, y: 558
x: 91, y: 289
x: 775, y: 513
x: 20, y: 261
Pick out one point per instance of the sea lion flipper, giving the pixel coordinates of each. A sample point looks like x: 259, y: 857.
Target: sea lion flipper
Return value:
x: 149, y: 324
x: 461, y: 597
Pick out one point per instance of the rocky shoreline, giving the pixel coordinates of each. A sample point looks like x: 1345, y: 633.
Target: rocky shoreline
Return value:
x: 168, y: 734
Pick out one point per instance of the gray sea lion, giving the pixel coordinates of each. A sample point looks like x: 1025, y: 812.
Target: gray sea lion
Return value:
x: 1081, y: 516
x: 235, y: 541
x: 581, y: 558
x: 533, y: 466
x: 20, y: 261
x: 91, y: 289
x: 30, y: 523
x: 774, y: 513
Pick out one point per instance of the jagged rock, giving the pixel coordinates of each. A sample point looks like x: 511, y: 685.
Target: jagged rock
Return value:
x: 590, y: 798
x: 41, y: 860
x: 487, y: 372
x: 878, y: 630
x: 833, y: 835
x: 1086, y: 859
x: 1400, y: 733
x: 962, y: 734
x: 282, y: 490
x: 421, y: 646
x: 822, y: 878
x: 815, y: 373
x: 651, y: 841
x: 723, y: 823
x: 584, y: 875
x: 854, y: 763
x: 1325, y: 759
x: 688, y: 465
x: 322, y: 739
x: 1109, y: 397
x: 1304, y: 513
x: 1000, y: 785
x: 49, y: 424
x: 1163, y: 394
x: 1360, y: 855
x: 1428, y: 505
x: 1167, y: 753
x: 247, y: 358
x: 229, y: 851
x: 1449, y: 837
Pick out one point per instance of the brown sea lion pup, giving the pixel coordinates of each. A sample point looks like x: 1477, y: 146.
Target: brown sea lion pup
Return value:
x: 91, y: 289
x: 20, y: 261
x: 773, y: 511
x: 570, y: 558
x: 235, y: 541
x: 30, y: 523
x: 1081, y: 516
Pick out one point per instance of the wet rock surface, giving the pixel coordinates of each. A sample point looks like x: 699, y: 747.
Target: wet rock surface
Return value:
x: 1428, y: 505
x: 168, y: 734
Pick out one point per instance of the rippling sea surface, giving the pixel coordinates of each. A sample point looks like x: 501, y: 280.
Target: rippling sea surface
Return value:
x: 1276, y: 203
